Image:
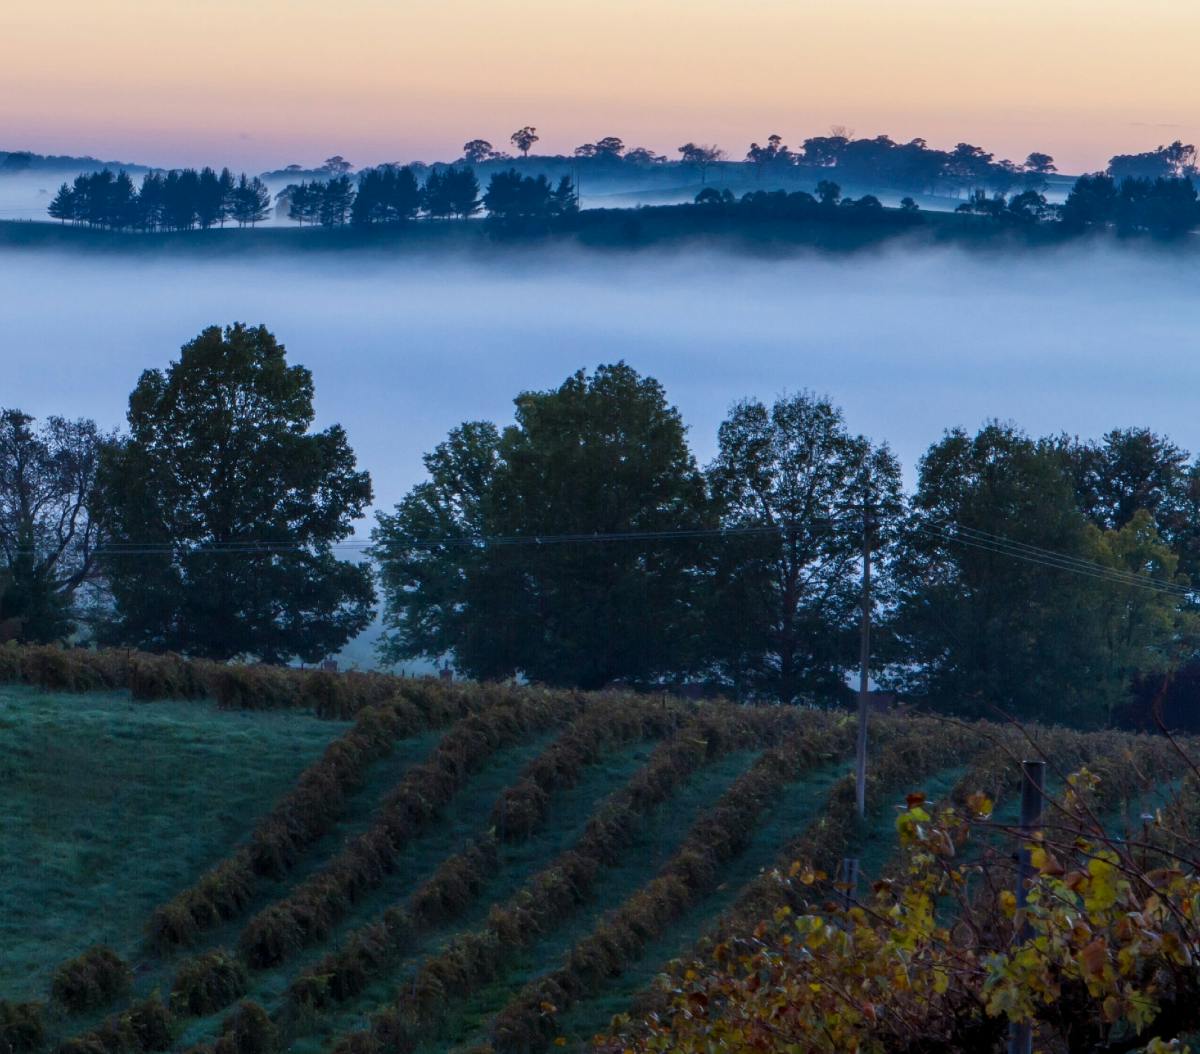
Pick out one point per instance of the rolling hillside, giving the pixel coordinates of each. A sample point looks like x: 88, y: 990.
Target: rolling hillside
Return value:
x: 366, y: 863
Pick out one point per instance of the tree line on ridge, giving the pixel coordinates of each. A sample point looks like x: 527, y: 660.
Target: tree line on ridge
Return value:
x: 582, y: 544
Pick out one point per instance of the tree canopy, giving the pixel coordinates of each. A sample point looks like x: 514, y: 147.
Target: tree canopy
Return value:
x: 48, y: 535
x: 463, y: 570
x: 222, y: 507
x: 987, y: 627
x: 786, y: 602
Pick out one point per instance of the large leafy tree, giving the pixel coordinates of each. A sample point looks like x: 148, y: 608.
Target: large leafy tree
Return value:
x: 505, y: 558
x: 786, y: 603
x: 1131, y: 470
x: 48, y: 536
x: 982, y: 626
x: 223, y: 506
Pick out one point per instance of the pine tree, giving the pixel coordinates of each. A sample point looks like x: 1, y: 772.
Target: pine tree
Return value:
x: 63, y: 206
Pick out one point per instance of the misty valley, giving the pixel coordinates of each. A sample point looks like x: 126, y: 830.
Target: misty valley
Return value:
x: 597, y: 595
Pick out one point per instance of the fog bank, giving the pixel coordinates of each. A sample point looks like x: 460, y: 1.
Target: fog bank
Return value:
x: 402, y: 349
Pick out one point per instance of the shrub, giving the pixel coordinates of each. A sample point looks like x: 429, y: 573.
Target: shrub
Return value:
x: 248, y: 1030
x: 208, y: 983
x: 22, y: 1029
x: 154, y: 677
x: 91, y: 980
x: 144, y: 1027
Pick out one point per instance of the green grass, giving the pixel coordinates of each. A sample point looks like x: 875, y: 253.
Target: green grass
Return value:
x: 110, y: 807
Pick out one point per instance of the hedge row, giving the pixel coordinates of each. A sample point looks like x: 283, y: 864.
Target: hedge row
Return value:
x: 903, y: 751
x: 58, y: 669
x: 148, y: 1027
x: 902, y: 757
x: 22, y: 1027
x: 521, y: 808
x: 208, y: 982
x: 720, y: 835
x: 554, y: 893
x: 458, y: 881
x: 233, y: 686
x: 310, y: 911
x: 345, y: 973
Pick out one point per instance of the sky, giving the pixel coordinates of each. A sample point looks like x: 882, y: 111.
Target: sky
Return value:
x: 262, y: 83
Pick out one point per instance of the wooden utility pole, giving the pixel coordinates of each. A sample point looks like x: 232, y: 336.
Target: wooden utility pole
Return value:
x: 864, y: 662
x: 1033, y: 781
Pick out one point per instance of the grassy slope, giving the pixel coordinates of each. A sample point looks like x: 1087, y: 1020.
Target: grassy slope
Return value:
x: 115, y: 803
x: 111, y: 806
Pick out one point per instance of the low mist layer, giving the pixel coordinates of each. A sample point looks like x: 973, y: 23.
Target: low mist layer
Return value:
x: 403, y: 349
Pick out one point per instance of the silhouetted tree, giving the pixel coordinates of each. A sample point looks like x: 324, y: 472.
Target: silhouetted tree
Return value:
x: 519, y: 204
x: 434, y: 199
x: 250, y: 201
x: 462, y: 192
x: 523, y: 139
x: 642, y: 156
x: 386, y: 195
x: 211, y: 200
x: 229, y: 505
x: 1036, y: 168
x: 62, y: 207
x: 48, y: 537
x: 701, y: 158
x: 1092, y: 202
x: 1166, y: 162
x: 476, y: 151
x: 828, y: 192
x: 337, y: 197
x: 602, y: 454
x: 774, y: 153
x: 337, y: 166
x: 784, y: 604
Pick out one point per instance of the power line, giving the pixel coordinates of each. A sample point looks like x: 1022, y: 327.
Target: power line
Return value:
x: 1060, y: 562
x: 944, y: 530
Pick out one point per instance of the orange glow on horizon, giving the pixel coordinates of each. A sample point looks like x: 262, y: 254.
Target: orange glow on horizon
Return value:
x: 266, y: 82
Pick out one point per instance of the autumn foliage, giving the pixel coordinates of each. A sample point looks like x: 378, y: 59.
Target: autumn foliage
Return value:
x: 939, y: 959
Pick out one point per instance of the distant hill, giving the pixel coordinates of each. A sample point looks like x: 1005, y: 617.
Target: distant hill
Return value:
x: 24, y: 162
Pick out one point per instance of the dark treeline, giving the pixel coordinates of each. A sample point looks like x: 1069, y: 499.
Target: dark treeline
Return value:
x: 175, y: 201
x: 522, y: 205
x: 378, y: 197
x: 19, y: 162
x: 1162, y: 207
x: 583, y: 545
x: 393, y: 196
x: 877, y: 161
